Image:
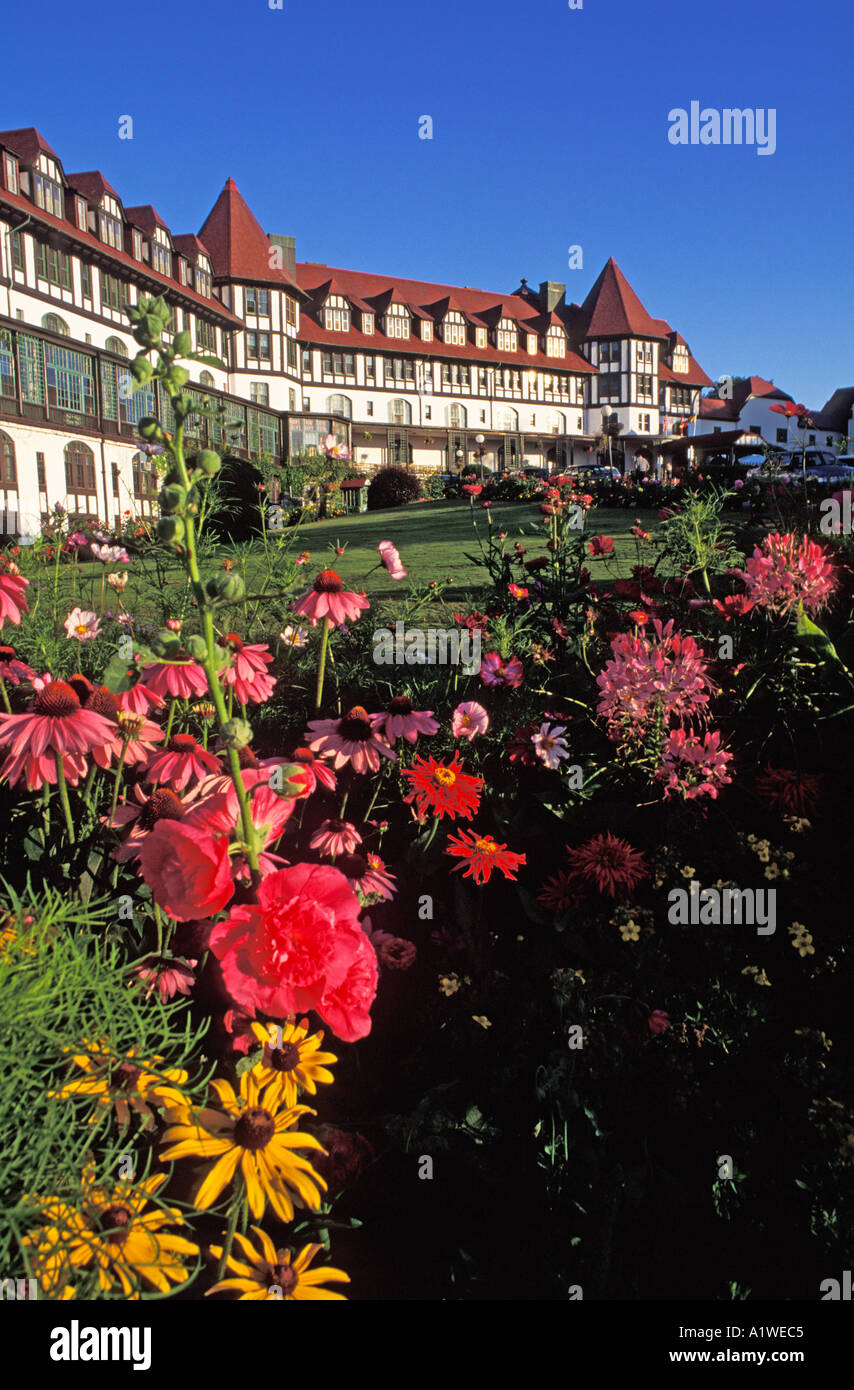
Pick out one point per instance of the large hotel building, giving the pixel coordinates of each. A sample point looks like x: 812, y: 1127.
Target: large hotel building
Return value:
x: 406, y: 372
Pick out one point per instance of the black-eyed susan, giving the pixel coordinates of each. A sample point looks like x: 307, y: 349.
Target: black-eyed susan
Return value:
x: 268, y: 1273
x: 290, y: 1062
x: 122, y: 1080
x: 109, y: 1229
x: 249, y: 1133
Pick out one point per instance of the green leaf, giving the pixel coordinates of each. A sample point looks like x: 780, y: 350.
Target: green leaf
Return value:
x: 207, y: 360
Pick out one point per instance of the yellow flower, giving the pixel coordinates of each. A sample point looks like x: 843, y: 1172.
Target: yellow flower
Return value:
x: 688, y: 871
x: 296, y: 1063
x: 269, y: 1273
x: 249, y: 1133
x: 630, y: 931
x: 109, y: 1229
x: 482, y: 1020
x: 772, y: 871
x: 449, y: 984
x: 123, y: 1081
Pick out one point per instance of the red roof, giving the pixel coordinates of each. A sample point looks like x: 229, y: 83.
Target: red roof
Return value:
x: 92, y: 186
x: 27, y: 144
x: 712, y: 408
x: 613, y: 310
x: 239, y: 249
x: 147, y: 218
x: 188, y: 244
x: 695, y: 376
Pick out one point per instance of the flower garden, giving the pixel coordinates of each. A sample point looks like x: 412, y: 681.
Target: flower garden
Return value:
x: 327, y: 977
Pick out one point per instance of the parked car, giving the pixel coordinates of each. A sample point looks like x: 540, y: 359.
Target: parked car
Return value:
x: 531, y: 472
x: 600, y: 473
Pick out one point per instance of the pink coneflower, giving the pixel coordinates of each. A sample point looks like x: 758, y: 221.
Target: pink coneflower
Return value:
x: 327, y: 598
x: 469, y: 719
x: 786, y: 573
x: 550, y: 745
x: 391, y: 559
x: 12, y: 669
x: 167, y: 977
x: 495, y: 671
x: 141, y: 733
x: 186, y: 680
x: 142, y: 814
x: 609, y: 864
x: 367, y: 873
x: 181, y: 762
x: 321, y: 771
x: 356, y: 739
x: 56, y: 726
x: 693, y: 766
x: 402, y: 721
x: 247, y: 673
x: 13, y: 587
x: 82, y: 626
x: 335, y: 837
x: 140, y: 699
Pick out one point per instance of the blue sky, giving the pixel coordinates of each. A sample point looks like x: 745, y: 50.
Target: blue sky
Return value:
x: 549, y: 130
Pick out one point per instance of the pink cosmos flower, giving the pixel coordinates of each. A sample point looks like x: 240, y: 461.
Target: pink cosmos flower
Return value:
x: 181, y: 762
x: 368, y: 874
x: 599, y: 546
x: 402, y: 721
x: 335, y: 837
x: 469, y: 719
x: 786, y: 574
x: 56, y: 726
x: 300, y: 947
x: 13, y: 587
x: 356, y: 739
x: 82, y: 626
x: 188, y: 872
x: 391, y: 559
x: 327, y: 597
x: 495, y: 671
x: 650, y: 673
x: 693, y: 766
x: 549, y: 744
x: 110, y: 554
x: 168, y: 977
x: 184, y: 679
x: 246, y: 673
x: 334, y: 449
x: 293, y: 636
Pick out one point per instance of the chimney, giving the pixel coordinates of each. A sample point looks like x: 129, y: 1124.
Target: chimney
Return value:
x: 551, y: 295
x: 288, y: 247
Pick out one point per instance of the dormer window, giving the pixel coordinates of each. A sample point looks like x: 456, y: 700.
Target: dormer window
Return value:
x: 161, y: 258
x: 47, y: 194
x: 182, y: 270
x: 644, y: 353
x: 532, y: 342
x: 555, y: 342
x: 680, y: 358
x: 137, y: 245
x: 426, y: 331
x: 257, y: 301
x: 367, y: 323
x: 480, y: 337
x: 82, y: 213
x: 454, y: 329
x: 203, y: 280
x: 336, y: 314
x: 111, y: 231
x: 11, y: 166
x: 397, y: 321
x: 507, y: 336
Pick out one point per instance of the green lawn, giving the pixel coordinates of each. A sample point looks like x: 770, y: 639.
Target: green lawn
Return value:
x: 433, y: 538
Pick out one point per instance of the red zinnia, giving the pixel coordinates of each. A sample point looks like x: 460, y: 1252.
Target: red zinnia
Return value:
x: 609, y: 863
x: 482, y: 854
x: 443, y: 788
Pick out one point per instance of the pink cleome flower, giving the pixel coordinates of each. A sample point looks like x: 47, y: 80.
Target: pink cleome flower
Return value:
x: 367, y: 873
x: 247, y: 673
x: 327, y: 597
x: 785, y: 574
x: 652, y: 674
x: 56, y: 727
x: 694, y: 766
x: 357, y: 739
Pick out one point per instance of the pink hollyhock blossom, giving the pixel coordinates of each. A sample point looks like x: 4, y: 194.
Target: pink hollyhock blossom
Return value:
x: 648, y: 674
x: 220, y: 814
x: 56, y: 726
x: 247, y: 672
x: 693, y: 766
x: 327, y: 597
x: 391, y: 559
x: 13, y: 587
x: 181, y: 762
x: 335, y: 837
x: 469, y: 719
x: 368, y: 874
x: 356, y: 739
x: 184, y: 679
x: 786, y: 574
x: 402, y: 721
x: 82, y: 626
x: 549, y: 744
x: 188, y: 872
x: 300, y: 947
x: 658, y: 1021
x: 495, y: 671
x: 168, y: 977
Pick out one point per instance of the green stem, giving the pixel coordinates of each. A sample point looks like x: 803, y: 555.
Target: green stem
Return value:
x: 4, y: 696
x: 321, y: 663
x: 63, y: 795
x: 118, y: 779
x: 229, y: 1235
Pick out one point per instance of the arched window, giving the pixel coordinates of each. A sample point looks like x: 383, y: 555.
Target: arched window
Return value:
x: 117, y: 346
x: 341, y: 405
x: 79, y: 467
x: 556, y: 422
x: 206, y: 379
x: 457, y: 416
x: 506, y: 419
x: 8, y: 472
x: 400, y: 412
x: 54, y: 324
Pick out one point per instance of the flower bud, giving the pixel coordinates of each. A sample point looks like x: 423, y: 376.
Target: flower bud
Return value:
x: 224, y: 587
x: 196, y: 647
x: 179, y: 376
x: 181, y: 405
x: 149, y: 428
x: 209, y: 462
x: 172, y: 498
x: 141, y: 369
x: 236, y: 733
x: 166, y: 644
x: 171, y: 530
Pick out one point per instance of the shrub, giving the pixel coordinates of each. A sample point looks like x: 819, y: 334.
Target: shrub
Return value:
x: 392, y: 487
x: 434, y: 486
